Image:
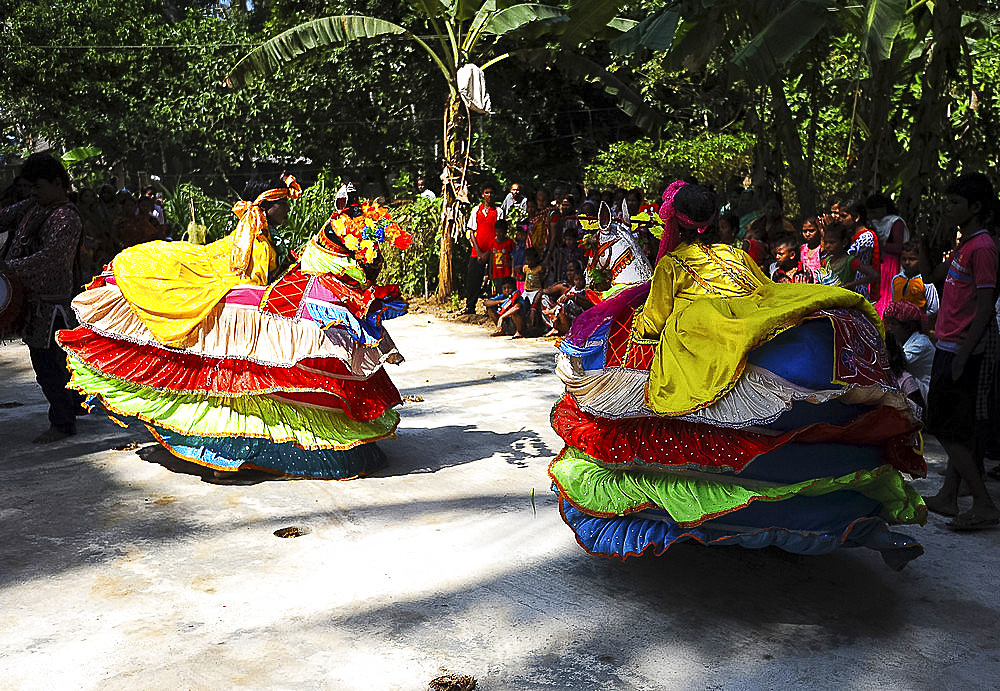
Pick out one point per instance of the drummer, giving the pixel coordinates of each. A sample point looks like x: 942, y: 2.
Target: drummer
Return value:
x: 42, y: 256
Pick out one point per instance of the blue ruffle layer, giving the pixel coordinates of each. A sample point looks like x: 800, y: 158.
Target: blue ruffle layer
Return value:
x: 801, y: 525
x: 285, y: 459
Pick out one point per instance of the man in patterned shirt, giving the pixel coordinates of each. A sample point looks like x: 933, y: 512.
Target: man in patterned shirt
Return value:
x: 42, y: 256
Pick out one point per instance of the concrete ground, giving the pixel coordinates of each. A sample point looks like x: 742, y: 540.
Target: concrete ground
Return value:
x: 123, y: 568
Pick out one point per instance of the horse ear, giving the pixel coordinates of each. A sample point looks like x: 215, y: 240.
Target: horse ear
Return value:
x: 604, y: 216
x: 626, y: 214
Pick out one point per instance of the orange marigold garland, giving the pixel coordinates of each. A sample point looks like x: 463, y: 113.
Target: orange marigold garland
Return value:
x: 361, y: 234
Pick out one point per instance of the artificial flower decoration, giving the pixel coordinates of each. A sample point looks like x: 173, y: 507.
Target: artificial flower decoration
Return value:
x: 361, y: 234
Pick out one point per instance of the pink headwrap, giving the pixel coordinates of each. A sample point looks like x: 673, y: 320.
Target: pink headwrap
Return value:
x: 672, y: 217
x: 903, y: 312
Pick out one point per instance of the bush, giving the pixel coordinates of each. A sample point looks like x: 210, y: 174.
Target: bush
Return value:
x: 415, y: 269
x: 217, y: 215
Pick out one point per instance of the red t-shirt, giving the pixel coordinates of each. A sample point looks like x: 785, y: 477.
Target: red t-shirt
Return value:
x: 502, y: 265
x: 483, y: 225
x: 973, y: 266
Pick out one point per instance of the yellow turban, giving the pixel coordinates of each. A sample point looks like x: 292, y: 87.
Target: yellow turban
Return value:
x: 253, y: 221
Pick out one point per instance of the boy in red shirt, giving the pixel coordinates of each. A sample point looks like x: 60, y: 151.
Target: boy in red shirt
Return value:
x: 965, y: 316
x: 503, y: 250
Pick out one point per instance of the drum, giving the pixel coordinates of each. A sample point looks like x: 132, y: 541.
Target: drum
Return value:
x: 12, y: 307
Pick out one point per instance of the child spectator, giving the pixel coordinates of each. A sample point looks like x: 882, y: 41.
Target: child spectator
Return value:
x: 562, y: 256
x: 755, y: 246
x: 905, y: 322
x: 892, y: 234
x: 773, y: 222
x: 845, y: 267
x: 863, y: 246
x: 571, y: 304
x: 908, y: 285
x: 551, y: 295
x: 517, y: 255
x: 965, y: 325
x: 810, y: 253
x: 505, y: 309
x: 788, y: 268
x: 534, y: 272
x: 904, y: 380
x: 503, y: 249
x: 729, y: 227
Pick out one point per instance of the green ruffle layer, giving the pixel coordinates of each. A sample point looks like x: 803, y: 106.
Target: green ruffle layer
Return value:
x: 600, y: 491
x: 251, y: 416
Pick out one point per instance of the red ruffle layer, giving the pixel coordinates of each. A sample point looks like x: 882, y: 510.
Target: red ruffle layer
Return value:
x: 186, y: 373
x: 668, y: 441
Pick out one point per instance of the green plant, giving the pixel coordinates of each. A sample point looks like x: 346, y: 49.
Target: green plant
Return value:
x: 307, y: 215
x: 415, y: 269
x: 711, y: 157
x: 215, y: 214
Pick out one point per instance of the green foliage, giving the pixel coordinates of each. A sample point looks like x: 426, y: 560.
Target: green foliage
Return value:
x: 307, y: 215
x: 414, y: 270
x: 712, y: 158
x: 216, y: 215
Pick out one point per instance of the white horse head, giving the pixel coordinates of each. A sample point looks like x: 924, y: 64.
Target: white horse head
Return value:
x: 618, y: 255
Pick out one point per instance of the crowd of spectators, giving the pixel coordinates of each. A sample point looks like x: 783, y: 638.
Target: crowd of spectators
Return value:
x: 526, y: 259
x: 112, y: 220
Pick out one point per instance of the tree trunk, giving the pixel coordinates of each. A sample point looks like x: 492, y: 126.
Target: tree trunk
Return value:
x: 922, y: 172
x: 791, y: 146
x: 453, y: 189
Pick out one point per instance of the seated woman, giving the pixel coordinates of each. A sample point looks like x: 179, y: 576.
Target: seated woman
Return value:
x: 712, y: 404
x: 285, y: 377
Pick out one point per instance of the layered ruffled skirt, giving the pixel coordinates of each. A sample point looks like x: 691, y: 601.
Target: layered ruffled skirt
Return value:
x: 806, y: 452
x: 284, y: 378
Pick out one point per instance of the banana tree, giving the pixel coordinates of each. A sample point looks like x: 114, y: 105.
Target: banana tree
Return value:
x: 461, y: 32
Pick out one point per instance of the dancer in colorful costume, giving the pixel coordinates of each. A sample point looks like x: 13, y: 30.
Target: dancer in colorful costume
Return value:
x: 232, y: 372
x: 711, y: 404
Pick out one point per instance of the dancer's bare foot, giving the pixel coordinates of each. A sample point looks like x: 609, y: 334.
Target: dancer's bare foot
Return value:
x: 942, y: 507
x: 498, y: 332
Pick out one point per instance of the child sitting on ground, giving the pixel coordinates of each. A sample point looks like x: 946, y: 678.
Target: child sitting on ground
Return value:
x: 905, y: 381
x: 905, y: 322
x: 787, y: 267
x: 844, y: 267
x: 908, y: 285
x: 534, y: 271
x: 571, y: 304
x: 503, y: 250
x: 506, y: 309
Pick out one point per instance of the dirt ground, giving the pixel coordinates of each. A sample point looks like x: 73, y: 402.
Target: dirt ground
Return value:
x: 123, y: 568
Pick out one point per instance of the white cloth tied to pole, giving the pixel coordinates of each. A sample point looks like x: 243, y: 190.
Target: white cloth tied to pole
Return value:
x: 472, y: 87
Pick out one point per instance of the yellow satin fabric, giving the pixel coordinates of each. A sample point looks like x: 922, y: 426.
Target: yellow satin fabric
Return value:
x: 173, y: 286
x: 711, y: 305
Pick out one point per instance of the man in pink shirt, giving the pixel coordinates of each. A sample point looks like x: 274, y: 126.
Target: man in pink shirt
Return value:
x: 482, y: 237
x: 965, y: 316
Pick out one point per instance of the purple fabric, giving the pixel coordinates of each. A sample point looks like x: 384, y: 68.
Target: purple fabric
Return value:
x: 601, y: 313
